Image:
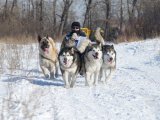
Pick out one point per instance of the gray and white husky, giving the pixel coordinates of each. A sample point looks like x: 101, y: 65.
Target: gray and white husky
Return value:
x: 69, y: 62
x: 93, y: 62
x: 109, y: 62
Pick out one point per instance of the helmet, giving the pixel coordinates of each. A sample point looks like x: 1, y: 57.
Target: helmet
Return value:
x: 77, y: 24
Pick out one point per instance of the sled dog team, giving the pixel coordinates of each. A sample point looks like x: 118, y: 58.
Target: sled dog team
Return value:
x: 77, y: 55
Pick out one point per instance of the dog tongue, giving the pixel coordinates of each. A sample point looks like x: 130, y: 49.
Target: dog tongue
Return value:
x: 46, y: 50
x: 65, y: 62
x: 110, y: 61
x: 96, y: 56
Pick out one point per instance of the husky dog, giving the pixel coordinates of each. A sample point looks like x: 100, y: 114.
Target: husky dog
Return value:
x: 98, y: 35
x: 93, y: 62
x: 48, y: 57
x: 109, y: 62
x: 80, y: 42
x: 69, y: 61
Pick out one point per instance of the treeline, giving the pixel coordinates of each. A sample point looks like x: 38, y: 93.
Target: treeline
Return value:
x: 129, y: 18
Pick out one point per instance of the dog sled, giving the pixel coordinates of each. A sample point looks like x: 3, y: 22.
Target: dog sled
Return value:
x: 87, y: 31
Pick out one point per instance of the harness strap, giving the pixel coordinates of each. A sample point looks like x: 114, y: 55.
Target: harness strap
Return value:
x: 47, y: 58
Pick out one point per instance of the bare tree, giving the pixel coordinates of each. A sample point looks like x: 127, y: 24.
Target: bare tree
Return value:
x: 64, y: 16
x: 54, y: 14
x: 88, y: 8
x: 121, y: 15
x: 14, y: 5
x: 5, y: 11
x: 41, y: 15
x: 132, y: 11
x: 31, y: 3
x: 107, y: 4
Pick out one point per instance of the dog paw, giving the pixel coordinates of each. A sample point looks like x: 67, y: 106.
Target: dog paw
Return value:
x: 103, y: 82
x: 71, y: 86
x: 89, y: 85
x: 86, y: 84
x: 47, y: 76
x: 52, y: 77
x: 95, y: 84
x: 67, y: 86
x: 56, y: 75
x: 81, y: 73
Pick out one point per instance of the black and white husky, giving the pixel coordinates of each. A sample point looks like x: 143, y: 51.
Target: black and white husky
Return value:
x: 93, y: 62
x: 109, y: 62
x: 69, y: 62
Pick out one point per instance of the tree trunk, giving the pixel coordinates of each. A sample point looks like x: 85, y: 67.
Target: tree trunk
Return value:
x: 14, y: 4
x: 67, y: 4
x: 5, y: 12
x: 108, y: 9
x: 86, y: 17
x: 54, y: 14
x: 121, y: 15
x: 131, y: 16
x: 41, y: 15
x: 33, y: 9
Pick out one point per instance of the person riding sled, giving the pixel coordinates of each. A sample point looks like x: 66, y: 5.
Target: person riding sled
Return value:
x: 76, y: 38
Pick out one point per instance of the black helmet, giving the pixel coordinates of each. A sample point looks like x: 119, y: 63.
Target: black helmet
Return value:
x: 77, y: 24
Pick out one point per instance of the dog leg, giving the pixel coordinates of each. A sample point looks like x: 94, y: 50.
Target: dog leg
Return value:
x: 96, y: 74
x: 69, y: 78
x: 56, y: 73
x: 111, y: 70
x: 104, y: 75
x: 87, y: 79
x: 65, y: 78
x: 82, y: 69
x: 52, y: 75
x: 73, y: 81
x: 45, y: 72
x: 100, y: 74
x: 52, y: 69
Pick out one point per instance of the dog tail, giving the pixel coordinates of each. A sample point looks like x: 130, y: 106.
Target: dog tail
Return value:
x: 98, y: 36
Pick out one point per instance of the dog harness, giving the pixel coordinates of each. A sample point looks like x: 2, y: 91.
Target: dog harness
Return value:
x: 47, y: 58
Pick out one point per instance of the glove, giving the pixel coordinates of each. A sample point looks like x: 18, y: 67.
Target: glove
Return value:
x: 74, y: 36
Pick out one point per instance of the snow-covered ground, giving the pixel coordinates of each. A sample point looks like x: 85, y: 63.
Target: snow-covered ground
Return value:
x: 132, y: 94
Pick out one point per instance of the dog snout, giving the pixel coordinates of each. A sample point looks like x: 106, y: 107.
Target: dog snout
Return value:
x: 96, y: 53
x: 65, y: 59
x: 45, y: 44
x: 111, y: 59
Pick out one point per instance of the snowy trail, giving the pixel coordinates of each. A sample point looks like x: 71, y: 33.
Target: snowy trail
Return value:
x: 132, y: 94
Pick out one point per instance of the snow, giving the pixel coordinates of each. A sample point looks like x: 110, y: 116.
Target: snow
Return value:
x: 132, y: 94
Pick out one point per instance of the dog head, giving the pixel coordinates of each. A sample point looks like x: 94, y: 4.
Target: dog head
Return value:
x: 66, y: 56
x: 95, y: 52
x: 100, y: 30
x: 109, y: 53
x: 44, y: 44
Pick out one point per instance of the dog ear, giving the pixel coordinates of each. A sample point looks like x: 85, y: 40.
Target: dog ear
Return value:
x: 101, y: 31
x: 112, y: 46
x: 103, y: 47
x: 47, y: 36
x: 39, y: 38
x: 72, y: 50
x: 99, y: 44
